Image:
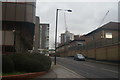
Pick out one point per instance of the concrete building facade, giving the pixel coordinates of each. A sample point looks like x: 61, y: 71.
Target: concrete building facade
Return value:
x: 76, y: 37
x: 62, y: 38
x: 18, y: 22
x: 44, y: 33
x: 36, y: 42
x: 66, y: 37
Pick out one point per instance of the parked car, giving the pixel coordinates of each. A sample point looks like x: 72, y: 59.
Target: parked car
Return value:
x: 79, y: 57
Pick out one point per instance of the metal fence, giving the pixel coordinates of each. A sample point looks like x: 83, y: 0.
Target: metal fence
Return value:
x: 97, y: 44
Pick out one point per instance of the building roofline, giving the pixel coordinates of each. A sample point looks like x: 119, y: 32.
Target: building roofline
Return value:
x: 69, y: 42
x: 103, y: 28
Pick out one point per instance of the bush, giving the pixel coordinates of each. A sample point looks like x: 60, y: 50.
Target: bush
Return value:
x: 44, y: 60
x: 31, y: 62
x: 7, y: 64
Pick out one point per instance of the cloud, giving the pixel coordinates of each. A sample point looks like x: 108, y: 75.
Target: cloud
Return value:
x: 86, y: 16
x: 78, y: 0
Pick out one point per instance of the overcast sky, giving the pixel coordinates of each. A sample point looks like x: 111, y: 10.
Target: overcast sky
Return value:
x: 85, y: 16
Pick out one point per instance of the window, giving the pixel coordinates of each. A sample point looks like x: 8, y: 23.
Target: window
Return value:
x: 47, y: 36
x: 108, y: 35
x: 8, y: 49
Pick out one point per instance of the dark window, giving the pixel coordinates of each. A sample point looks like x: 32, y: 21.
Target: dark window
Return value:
x: 8, y: 49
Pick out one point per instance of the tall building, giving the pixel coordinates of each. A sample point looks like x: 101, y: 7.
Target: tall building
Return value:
x: 66, y: 37
x: 79, y: 37
x: 76, y: 37
x: 18, y: 22
x: 44, y: 33
x: 36, y: 42
x: 62, y: 38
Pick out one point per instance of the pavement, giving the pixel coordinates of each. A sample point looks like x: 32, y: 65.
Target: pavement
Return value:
x: 59, y: 71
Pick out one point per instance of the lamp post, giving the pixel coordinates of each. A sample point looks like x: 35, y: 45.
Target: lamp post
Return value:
x: 14, y: 32
x: 56, y: 31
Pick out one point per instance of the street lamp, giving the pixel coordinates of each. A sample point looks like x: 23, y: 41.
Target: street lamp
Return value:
x: 56, y: 30
x: 14, y: 31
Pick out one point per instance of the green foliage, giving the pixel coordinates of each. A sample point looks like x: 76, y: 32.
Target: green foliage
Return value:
x: 31, y: 62
x: 7, y: 64
x: 45, y: 51
x: 44, y: 60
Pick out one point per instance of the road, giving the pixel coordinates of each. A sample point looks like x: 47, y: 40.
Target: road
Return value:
x: 89, y: 69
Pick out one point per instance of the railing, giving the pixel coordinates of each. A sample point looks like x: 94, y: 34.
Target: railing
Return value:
x: 96, y: 44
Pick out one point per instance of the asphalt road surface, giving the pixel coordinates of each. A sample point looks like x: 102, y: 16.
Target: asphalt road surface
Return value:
x: 89, y: 69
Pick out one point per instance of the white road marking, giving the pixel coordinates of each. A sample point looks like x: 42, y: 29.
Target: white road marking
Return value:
x: 109, y: 70
x: 89, y: 65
